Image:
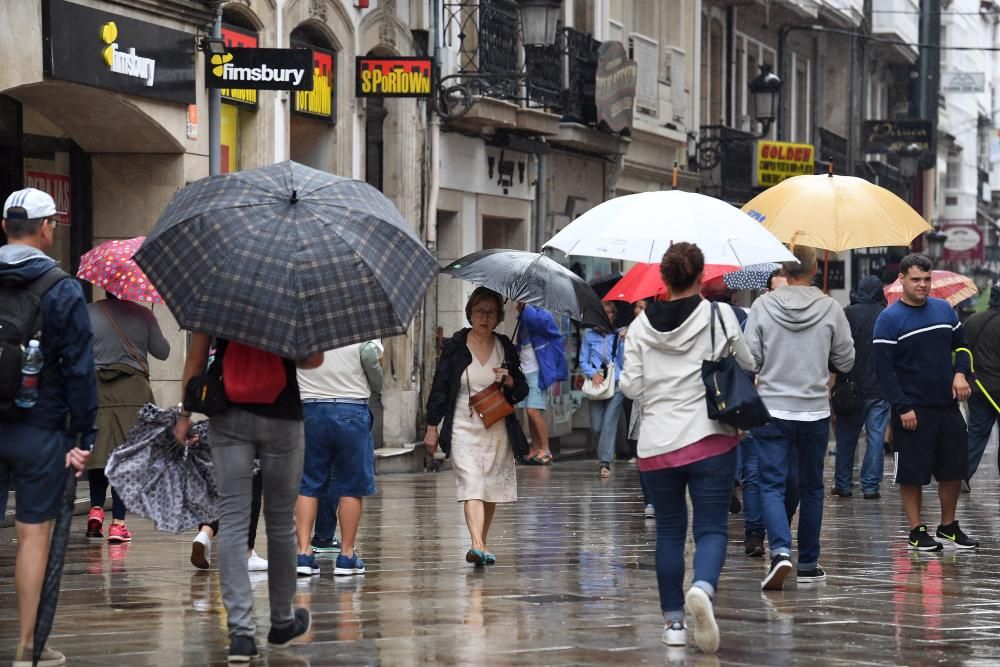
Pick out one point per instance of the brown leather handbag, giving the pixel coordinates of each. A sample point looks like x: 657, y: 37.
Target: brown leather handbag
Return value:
x: 490, y: 404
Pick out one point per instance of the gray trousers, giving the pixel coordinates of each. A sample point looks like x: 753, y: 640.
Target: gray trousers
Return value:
x: 237, y: 437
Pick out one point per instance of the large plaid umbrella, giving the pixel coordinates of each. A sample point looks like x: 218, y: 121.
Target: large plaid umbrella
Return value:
x: 287, y: 259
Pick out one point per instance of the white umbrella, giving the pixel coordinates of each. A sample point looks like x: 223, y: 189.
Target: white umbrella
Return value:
x: 640, y: 228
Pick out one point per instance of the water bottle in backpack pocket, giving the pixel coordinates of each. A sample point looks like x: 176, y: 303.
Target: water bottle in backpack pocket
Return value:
x: 31, y: 370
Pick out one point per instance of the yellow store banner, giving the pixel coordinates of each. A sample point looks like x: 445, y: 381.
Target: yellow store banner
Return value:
x: 778, y: 160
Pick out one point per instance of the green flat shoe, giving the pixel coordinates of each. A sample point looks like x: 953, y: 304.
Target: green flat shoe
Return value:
x: 476, y: 557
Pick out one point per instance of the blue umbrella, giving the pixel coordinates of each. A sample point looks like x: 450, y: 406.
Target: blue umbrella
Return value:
x: 753, y: 276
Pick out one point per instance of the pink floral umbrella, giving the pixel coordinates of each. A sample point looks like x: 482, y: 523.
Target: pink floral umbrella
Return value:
x: 110, y: 267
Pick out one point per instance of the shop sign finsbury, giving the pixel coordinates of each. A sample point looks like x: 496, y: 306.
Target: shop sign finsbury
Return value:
x: 261, y: 69
x: 127, y: 63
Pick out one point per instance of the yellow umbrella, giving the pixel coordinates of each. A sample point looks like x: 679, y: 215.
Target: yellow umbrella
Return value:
x: 836, y: 213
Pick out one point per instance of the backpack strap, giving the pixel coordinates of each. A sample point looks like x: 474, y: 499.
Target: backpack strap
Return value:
x: 43, y: 283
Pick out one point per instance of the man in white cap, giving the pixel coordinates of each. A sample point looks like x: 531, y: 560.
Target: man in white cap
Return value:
x: 46, y: 424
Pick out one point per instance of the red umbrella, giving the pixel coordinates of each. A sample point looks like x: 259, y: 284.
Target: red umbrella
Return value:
x: 110, y: 266
x: 643, y: 281
x: 952, y: 287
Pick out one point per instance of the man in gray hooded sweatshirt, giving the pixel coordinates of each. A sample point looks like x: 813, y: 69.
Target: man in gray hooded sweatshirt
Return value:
x: 796, y: 335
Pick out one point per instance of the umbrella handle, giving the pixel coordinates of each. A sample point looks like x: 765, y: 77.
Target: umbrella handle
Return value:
x: 979, y: 383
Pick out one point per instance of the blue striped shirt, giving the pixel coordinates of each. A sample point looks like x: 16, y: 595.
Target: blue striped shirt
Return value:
x: 913, y: 354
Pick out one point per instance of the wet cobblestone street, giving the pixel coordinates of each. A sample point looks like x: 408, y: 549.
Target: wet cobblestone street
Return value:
x: 575, y: 584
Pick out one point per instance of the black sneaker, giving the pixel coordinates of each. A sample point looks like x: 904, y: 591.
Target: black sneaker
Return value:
x: 813, y: 576
x: 921, y: 541
x: 282, y: 637
x: 781, y: 565
x: 242, y: 648
x: 840, y: 492
x: 954, y: 535
x: 753, y: 545
x: 875, y: 495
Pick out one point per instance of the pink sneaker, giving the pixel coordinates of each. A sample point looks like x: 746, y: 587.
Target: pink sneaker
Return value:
x: 95, y: 522
x: 119, y: 533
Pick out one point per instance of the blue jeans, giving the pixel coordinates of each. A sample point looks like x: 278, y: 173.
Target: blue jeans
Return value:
x: 753, y: 520
x: 982, y: 417
x: 875, y: 419
x: 778, y: 441
x: 604, y: 422
x: 710, y: 483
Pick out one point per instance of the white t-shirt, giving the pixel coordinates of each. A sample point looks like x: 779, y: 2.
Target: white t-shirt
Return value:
x: 340, y: 376
x: 529, y: 360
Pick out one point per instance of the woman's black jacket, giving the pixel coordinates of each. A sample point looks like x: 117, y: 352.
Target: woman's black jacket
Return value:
x: 455, y: 357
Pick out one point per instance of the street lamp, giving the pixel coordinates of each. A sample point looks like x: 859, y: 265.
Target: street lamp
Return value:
x: 765, y: 99
x: 765, y: 95
x: 539, y: 21
x: 935, y: 244
x: 909, y: 160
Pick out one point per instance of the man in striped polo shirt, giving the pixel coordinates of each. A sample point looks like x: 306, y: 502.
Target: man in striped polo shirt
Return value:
x: 914, y: 341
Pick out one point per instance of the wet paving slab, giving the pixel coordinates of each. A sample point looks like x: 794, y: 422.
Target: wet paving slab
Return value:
x: 575, y: 584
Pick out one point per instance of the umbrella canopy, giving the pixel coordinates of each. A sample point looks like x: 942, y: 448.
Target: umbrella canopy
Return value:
x: 287, y: 259
x: 836, y: 213
x: 952, y: 287
x: 641, y: 227
x: 644, y: 281
x: 531, y: 277
x: 162, y: 480
x: 110, y: 266
x: 751, y: 277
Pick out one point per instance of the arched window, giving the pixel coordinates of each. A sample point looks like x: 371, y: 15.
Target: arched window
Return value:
x: 313, y: 112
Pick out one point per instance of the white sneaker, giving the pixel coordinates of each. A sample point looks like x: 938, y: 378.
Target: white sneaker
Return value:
x: 706, y: 630
x: 650, y: 513
x: 201, y: 551
x: 49, y: 658
x: 675, y: 634
x: 255, y: 563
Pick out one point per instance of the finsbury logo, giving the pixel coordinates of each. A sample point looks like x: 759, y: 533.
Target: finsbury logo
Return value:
x: 225, y: 70
x: 126, y: 63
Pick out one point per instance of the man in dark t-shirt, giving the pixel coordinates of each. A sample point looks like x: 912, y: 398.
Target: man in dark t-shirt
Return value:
x: 273, y: 432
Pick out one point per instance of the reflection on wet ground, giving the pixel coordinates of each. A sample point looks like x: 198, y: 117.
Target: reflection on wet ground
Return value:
x: 575, y: 584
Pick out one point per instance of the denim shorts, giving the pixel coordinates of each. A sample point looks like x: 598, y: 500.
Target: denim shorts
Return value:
x: 537, y: 399
x: 33, y: 460
x: 338, y: 437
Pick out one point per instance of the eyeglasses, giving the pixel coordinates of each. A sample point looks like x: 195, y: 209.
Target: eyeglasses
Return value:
x: 492, y: 314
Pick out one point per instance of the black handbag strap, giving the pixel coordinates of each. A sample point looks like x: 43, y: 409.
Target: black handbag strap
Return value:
x: 716, y: 315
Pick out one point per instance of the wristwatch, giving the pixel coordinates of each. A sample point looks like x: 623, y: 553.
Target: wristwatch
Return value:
x: 182, y: 412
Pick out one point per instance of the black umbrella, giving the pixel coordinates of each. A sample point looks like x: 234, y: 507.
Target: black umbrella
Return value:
x: 49, y: 597
x: 287, y: 259
x: 531, y: 277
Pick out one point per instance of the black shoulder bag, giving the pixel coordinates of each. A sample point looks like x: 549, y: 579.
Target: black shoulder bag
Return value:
x: 206, y: 393
x: 729, y: 392
x: 845, y: 397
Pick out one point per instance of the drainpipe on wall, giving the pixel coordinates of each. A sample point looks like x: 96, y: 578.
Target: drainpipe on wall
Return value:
x: 215, y: 109
x: 541, y: 201
x: 281, y: 98
x: 694, y: 123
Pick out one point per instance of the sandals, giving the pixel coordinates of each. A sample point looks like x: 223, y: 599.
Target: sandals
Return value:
x: 476, y: 557
x: 540, y: 459
x: 605, y: 471
x: 489, y: 559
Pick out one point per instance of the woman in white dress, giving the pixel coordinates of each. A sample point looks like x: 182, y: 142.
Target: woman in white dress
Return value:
x: 482, y: 458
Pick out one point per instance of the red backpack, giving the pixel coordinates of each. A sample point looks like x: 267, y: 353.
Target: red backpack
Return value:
x: 251, y: 375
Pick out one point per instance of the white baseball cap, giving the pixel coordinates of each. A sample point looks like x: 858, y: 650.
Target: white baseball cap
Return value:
x: 30, y: 204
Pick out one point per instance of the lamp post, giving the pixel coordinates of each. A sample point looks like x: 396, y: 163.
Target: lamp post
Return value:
x: 539, y: 21
x: 214, y: 46
x: 909, y: 160
x: 935, y: 244
x: 765, y: 100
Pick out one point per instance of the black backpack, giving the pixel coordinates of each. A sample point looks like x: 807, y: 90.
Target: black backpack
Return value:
x: 20, y: 321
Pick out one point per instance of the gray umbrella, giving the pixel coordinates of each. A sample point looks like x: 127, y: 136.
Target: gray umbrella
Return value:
x: 532, y: 278
x: 287, y: 259
x: 48, y: 598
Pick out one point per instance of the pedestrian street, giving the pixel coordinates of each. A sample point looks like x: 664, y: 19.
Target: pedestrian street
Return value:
x: 574, y: 585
